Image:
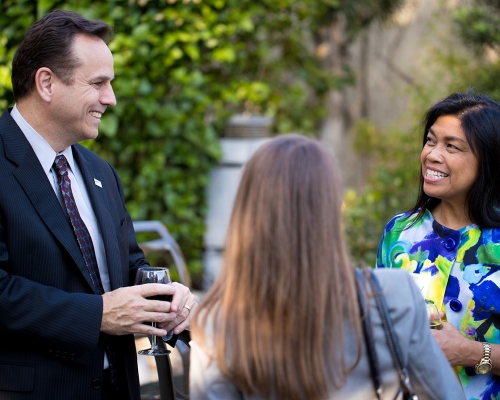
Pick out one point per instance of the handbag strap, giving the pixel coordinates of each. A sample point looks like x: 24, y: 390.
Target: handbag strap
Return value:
x: 390, y: 334
x: 369, y: 339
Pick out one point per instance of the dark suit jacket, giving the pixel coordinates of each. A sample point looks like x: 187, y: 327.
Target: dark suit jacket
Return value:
x: 51, y: 346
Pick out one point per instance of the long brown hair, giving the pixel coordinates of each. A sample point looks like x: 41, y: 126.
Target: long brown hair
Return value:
x: 286, y: 289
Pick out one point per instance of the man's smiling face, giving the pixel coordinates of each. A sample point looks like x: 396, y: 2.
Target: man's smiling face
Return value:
x: 78, y: 107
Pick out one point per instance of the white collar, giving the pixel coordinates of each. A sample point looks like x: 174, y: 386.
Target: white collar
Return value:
x: 45, y: 153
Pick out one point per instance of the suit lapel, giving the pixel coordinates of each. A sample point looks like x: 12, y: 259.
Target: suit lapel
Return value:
x: 98, y: 197
x: 32, y: 178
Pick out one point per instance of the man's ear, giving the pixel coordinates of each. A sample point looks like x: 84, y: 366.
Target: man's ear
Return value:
x: 44, y: 83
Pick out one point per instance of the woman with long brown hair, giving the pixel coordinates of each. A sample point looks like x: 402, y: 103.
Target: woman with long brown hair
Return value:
x: 282, y: 319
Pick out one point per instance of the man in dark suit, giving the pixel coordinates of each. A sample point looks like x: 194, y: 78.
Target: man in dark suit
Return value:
x: 68, y: 252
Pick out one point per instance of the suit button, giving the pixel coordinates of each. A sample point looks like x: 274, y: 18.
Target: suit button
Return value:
x: 96, y: 384
x: 72, y: 357
x: 51, y: 352
x: 64, y: 354
x: 56, y: 353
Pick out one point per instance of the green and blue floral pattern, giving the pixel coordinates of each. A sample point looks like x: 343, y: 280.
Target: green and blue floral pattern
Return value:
x: 464, y: 280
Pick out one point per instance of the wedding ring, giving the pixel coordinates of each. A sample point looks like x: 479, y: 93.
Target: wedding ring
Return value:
x: 186, y: 306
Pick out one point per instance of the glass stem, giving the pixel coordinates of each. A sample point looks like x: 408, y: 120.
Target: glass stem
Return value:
x: 152, y: 339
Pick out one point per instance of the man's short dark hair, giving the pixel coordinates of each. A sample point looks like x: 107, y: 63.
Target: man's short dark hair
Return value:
x: 48, y: 44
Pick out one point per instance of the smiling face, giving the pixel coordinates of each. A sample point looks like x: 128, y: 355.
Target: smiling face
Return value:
x: 77, y: 108
x: 449, y: 166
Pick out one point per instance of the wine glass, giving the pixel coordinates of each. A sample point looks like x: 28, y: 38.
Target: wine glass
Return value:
x: 154, y: 275
x: 433, y: 313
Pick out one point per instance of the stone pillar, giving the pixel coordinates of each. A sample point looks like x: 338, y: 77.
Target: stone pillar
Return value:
x: 244, y: 135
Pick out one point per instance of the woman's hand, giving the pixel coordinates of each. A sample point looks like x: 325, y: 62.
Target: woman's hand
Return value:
x: 457, y: 348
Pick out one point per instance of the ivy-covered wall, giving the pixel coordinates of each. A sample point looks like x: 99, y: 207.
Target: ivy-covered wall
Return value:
x: 182, y: 68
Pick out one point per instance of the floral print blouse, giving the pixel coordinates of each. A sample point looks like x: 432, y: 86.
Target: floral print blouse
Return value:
x: 461, y: 274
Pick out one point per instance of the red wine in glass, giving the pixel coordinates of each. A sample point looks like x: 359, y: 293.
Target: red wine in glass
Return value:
x: 144, y: 276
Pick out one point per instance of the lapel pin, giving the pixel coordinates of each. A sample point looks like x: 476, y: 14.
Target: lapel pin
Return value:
x: 97, y: 182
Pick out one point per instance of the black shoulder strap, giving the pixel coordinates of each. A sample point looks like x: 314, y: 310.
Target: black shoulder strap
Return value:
x: 392, y: 340
x: 368, y: 334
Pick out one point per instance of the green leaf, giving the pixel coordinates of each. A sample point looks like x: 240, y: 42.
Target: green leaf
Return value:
x: 109, y: 124
x: 224, y: 54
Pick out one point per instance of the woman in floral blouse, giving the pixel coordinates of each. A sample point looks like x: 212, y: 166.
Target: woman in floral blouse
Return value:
x: 450, y: 240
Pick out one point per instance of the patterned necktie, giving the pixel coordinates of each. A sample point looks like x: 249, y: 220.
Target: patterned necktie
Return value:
x: 81, y: 232
x: 85, y: 242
